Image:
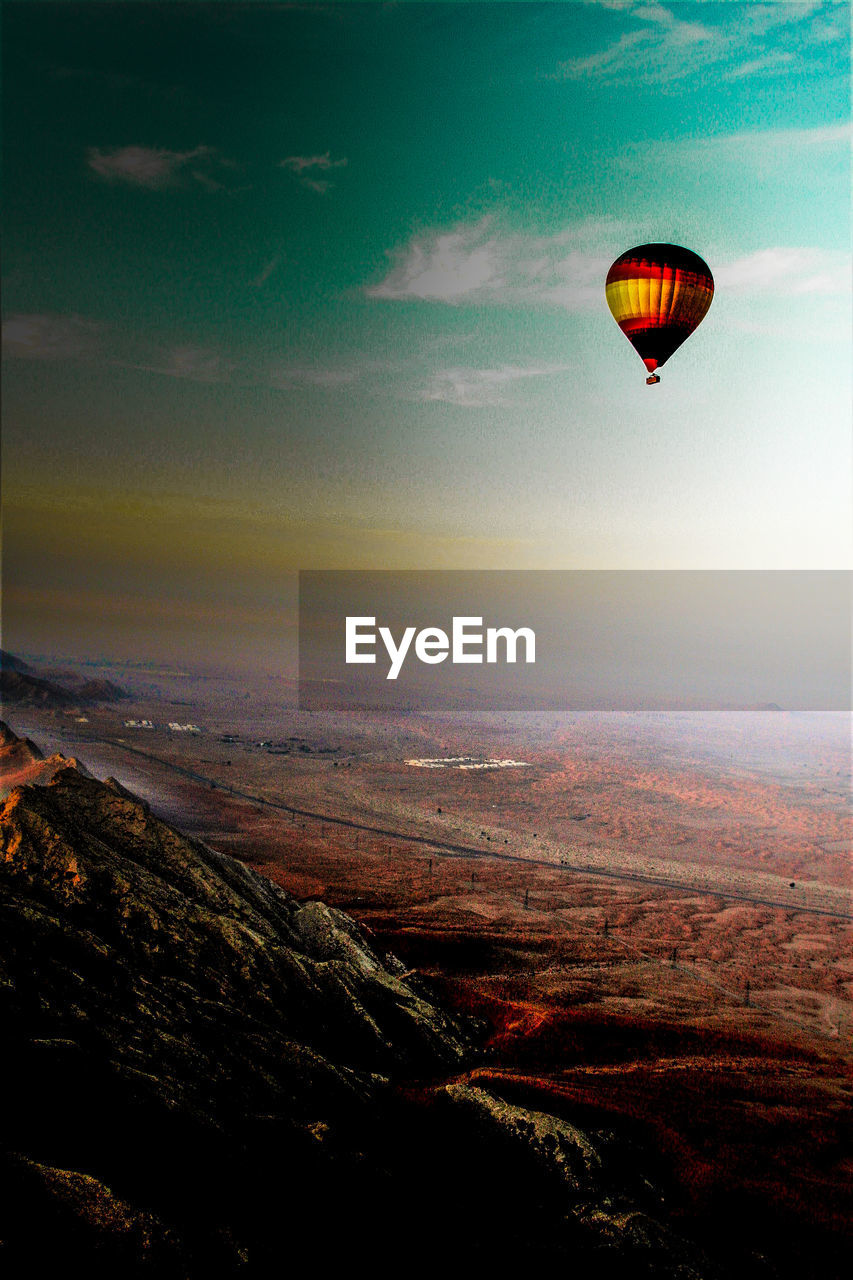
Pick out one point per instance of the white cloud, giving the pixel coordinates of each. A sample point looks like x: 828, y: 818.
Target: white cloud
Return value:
x: 763, y: 147
x: 786, y: 272
x: 662, y: 47
x: 45, y: 336
x: 481, y: 388
x: 295, y: 377
x: 751, y: 157
x: 200, y: 364
x: 299, y: 164
x: 305, y: 169
x: 191, y: 362
x: 155, y: 168
x: 479, y: 263
x: 268, y: 269
x: 444, y: 266
x: 774, y: 61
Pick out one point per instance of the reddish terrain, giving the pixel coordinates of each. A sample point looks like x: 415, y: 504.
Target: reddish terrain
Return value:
x: 653, y: 915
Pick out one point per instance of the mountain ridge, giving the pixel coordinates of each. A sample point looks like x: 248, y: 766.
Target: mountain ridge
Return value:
x: 207, y: 1072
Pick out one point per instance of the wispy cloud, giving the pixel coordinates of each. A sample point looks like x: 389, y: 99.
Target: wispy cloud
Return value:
x: 481, y: 263
x: 306, y: 169
x: 45, y: 336
x: 786, y: 273
x: 195, y: 363
x: 267, y: 270
x: 198, y: 363
x: 752, y: 156
x: 295, y: 377
x: 659, y: 35
x: 156, y: 168
x: 765, y: 148
x: 663, y: 47
x: 774, y: 61
x: 481, y: 388
x: 207, y: 364
x: 300, y: 163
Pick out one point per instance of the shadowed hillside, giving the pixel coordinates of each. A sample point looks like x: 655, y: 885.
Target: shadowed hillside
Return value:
x: 21, y: 687
x: 203, y: 1075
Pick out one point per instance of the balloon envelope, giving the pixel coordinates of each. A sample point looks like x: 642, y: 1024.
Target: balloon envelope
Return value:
x: 658, y: 294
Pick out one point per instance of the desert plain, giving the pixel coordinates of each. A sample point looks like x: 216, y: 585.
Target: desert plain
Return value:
x: 650, y: 913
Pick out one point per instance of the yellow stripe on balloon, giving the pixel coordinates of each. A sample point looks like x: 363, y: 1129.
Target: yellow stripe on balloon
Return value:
x: 667, y: 283
x: 633, y: 297
x: 644, y: 292
x: 654, y: 297
x: 617, y: 299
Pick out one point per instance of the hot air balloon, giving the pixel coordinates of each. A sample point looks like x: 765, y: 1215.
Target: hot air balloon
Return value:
x: 658, y: 294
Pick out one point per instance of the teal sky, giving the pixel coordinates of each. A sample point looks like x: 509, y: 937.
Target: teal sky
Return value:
x: 307, y: 286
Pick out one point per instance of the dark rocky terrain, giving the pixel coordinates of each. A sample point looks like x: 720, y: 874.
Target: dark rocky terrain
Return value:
x: 204, y: 1076
x: 8, y: 661
x: 20, y: 688
x: 60, y: 691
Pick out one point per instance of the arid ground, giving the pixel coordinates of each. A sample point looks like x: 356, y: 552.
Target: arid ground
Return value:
x: 652, y: 912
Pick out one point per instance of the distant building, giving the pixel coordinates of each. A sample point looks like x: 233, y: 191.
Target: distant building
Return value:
x: 139, y: 724
x: 183, y: 728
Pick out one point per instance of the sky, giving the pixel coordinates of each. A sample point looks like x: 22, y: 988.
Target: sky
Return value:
x: 322, y: 286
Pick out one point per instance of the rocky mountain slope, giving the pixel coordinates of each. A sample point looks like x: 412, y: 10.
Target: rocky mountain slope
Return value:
x: 22, y: 761
x: 8, y: 662
x: 20, y: 686
x: 21, y: 689
x: 204, y: 1076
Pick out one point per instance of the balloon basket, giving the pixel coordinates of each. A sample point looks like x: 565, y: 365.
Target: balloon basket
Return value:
x: 652, y: 380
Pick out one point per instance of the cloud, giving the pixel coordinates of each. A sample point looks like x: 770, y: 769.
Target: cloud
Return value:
x: 478, y: 265
x: 300, y: 163
x: 774, y: 61
x: 481, y: 264
x: 786, y: 273
x: 659, y: 49
x: 754, y: 155
x: 267, y: 270
x: 295, y: 377
x: 45, y: 336
x: 767, y: 147
x: 444, y: 266
x: 481, y: 388
x: 157, y: 169
x: 306, y: 167
x: 664, y: 48
x: 190, y: 361
x: 198, y: 364
x: 206, y: 364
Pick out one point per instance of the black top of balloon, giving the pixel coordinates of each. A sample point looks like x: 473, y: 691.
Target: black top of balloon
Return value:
x: 670, y: 255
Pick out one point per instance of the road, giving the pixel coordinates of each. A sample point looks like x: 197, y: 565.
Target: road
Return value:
x: 454, y: 850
